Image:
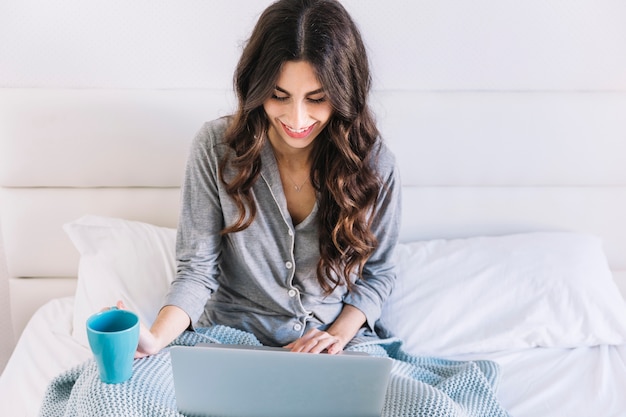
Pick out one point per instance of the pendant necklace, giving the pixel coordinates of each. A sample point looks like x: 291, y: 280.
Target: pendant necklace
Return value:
x: 297, y: 187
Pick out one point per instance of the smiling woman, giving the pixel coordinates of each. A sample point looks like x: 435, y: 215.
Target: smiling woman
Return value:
x: 297, y: 112
x: 290, y: 213
x: 505, y: 117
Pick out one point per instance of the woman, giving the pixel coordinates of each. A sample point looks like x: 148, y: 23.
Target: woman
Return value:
x: 290, y: 212
x: 290, y: 208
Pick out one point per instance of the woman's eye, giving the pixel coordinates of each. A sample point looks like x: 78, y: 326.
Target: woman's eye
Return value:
x: 317, y: 100
x: 279, y: 98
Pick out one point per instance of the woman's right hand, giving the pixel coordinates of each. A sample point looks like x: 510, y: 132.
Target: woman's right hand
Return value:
x: 148, y: 344
x: 169, y: 324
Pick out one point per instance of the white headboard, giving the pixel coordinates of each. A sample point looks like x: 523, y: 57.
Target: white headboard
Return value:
x: 505, y: 117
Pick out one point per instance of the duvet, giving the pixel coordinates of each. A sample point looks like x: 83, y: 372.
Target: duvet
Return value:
x: 419, y: 386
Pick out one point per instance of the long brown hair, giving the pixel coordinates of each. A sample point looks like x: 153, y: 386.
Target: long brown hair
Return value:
x: 321, y: 33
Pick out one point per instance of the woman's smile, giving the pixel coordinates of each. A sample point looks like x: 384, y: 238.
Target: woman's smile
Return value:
x: 297, y: 133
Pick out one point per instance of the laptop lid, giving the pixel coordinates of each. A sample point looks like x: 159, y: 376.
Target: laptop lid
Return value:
x: 237, y: 381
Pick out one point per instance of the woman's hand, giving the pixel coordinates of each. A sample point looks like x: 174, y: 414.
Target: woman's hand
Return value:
x: 335, y: 338
x: 317, y: 341
x: 170, y: 322
x: 147, y: 342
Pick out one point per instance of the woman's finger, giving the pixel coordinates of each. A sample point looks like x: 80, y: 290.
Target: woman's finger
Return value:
x: 316, y: 341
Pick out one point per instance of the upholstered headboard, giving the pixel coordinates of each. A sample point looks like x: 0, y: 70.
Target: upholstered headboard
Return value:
x: 504, y: 116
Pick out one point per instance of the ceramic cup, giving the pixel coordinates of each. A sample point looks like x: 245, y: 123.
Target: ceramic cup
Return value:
x: 113, y: 337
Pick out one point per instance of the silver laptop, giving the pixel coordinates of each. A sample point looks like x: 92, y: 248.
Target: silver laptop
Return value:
x: 237, y: 381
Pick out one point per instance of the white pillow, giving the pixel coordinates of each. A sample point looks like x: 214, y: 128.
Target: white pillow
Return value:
x: 509, y: 292
x: 120, y: 260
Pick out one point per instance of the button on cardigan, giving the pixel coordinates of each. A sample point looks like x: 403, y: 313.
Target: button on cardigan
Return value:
x: 263, y: 279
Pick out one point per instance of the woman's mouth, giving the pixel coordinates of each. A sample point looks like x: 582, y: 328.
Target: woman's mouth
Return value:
x: 297, y: 133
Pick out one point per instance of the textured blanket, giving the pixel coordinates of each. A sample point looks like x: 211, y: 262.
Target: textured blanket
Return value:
x: 418, y: 386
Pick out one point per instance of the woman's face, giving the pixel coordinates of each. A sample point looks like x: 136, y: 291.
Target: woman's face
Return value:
x: 298, y: 109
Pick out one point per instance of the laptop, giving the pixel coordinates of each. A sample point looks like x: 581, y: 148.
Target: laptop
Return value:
x: 237, y: 381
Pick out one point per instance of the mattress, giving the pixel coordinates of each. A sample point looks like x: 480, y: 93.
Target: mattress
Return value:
x: 547, y: 382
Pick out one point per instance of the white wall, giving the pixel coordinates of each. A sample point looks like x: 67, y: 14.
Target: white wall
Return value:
x: 537, y: 45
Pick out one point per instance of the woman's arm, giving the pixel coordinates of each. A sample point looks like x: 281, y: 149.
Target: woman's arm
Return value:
x: 170, y: 323
x: 378, y: 275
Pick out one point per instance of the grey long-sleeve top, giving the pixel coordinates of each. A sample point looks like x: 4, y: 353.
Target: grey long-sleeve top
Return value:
x: 263, y: 279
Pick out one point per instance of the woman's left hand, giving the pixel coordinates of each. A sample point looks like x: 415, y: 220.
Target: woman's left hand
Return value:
x: 343, y: 329
x: 317, y: 341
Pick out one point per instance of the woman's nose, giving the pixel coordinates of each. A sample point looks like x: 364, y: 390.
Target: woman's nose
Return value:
x: 298, y: 115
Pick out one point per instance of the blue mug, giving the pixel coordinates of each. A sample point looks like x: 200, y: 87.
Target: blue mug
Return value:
x: 113, y: 337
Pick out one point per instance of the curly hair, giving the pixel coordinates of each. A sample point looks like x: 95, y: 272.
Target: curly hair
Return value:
x: 322, y: 33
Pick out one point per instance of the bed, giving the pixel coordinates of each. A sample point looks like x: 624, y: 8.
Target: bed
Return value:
x: 506, y: 121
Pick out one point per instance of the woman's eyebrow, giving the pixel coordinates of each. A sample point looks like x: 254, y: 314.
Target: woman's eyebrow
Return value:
x: 310, y: 93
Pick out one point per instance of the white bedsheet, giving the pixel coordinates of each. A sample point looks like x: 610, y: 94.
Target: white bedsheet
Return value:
x: 581, y: 382
x: 45, y: 349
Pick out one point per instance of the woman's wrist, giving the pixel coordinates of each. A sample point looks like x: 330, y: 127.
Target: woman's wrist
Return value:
x: 347, y: 324
x: 169, y: 324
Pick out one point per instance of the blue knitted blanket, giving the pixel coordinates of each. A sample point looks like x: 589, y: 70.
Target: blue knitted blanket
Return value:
x: 418, y: 386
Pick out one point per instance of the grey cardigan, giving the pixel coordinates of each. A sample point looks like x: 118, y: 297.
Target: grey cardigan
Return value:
x: 263, y: 279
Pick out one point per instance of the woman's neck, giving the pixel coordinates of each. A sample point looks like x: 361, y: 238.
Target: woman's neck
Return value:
x: 292, y: 158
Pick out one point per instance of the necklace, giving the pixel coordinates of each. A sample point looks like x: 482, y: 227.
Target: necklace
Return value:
x: 297, y: 187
